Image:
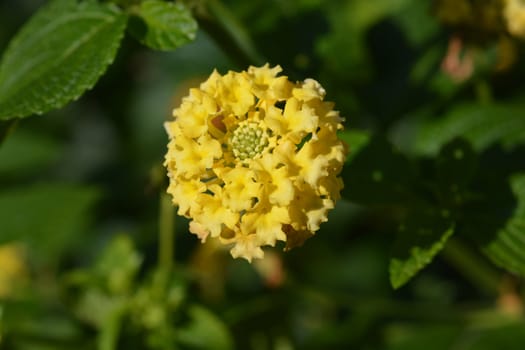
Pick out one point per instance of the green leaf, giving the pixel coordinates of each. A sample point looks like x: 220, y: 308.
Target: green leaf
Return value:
x: 502, y: 332
x: 119, y: 264
x: 26, y: 152
x: 350, y: 22
x: 507, y: 248
x: 455, y: 167
x: 420, y: 239
x: 32, y: 325
x: 355, y: 140
x: 58, y: 55
x: 508, y: 337
x: 46, y: 217
x: 456, y: 164
x: 412, y: 337
x: 379, y: 175
x: 163, y: 25
x: 482, y: 125
x: 205, y: 331
x: 417, y: 22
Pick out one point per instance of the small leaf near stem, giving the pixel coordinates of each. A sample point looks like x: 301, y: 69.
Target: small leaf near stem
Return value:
x: 162, y: 25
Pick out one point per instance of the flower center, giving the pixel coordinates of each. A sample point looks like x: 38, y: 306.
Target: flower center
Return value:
x: 248, y: 140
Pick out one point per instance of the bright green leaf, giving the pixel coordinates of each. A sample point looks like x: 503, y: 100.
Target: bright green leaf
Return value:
x: 58, y: 55
x: 421, y: 238
x: 46, y: 217
x: 482, y: 125
x: 163, y: 25
x: 507, y: 248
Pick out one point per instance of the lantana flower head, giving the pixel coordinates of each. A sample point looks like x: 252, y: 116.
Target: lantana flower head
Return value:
x: 514, y: 13
x: 254, y: 158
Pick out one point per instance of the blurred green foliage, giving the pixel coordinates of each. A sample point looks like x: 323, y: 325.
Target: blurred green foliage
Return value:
x: 425, y: 249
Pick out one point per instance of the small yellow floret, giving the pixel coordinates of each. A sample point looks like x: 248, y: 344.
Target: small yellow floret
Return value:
x: 254, y: 158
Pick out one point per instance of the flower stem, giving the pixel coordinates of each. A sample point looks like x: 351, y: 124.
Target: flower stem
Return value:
x: 472, y: 267
x: 483, y: 91
x: 166, y: 232
x: 6, y: 127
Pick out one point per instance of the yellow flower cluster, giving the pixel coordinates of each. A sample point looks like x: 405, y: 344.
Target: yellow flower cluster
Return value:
x: 254, y: 158
x: 514, y: 13
x: 13, y: 269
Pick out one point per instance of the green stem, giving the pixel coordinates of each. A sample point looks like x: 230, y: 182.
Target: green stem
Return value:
x: 483, y: 91
x: 111, y: 327
x: 472, y: 266
x: 166, y: 232
x: 6, y: 127
x: 217, y: 20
